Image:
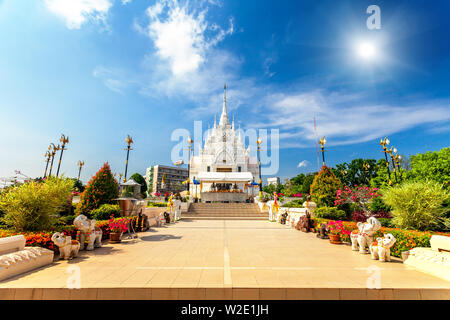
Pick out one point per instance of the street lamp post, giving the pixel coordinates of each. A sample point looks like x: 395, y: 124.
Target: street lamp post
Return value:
x: 384, y: 143
x: 366, y: 169
x: 53, y: 152
x: 64, y: 140
x: 80, y: 165
x: 189, y: 141
x: 129, y: 141
x: 322, y: 143
x: 47, y: 155
x: 258, y: 142
x: 391, y: 151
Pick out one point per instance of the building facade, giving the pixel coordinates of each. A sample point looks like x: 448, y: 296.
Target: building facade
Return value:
x: 274, y: 180
x: 172, y: 177
x: 223, y: 163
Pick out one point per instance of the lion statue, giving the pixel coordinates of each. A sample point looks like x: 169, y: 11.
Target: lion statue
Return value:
x: 88, y: 232
x: 363, y: 237
x: 381, y: 249
x: 68, y: 248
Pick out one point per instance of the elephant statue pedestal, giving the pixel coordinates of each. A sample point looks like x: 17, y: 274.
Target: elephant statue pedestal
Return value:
x: 88, y: 232
x: 363, y: 238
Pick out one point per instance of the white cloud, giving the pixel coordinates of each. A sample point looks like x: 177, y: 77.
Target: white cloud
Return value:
x: 180, y: 35
x: 302, y: 164
x: 345, y: 119
x: 77, y: 12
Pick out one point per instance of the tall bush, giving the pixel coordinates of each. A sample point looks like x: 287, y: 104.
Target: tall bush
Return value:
x: 34, y: 206
x: 432, y: 166
x: 417, y: 205
x: 324, y: 187
x: 101, y: 189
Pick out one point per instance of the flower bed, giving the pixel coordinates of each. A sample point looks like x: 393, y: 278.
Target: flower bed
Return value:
x: 406, y: 239
x: 43, y: 238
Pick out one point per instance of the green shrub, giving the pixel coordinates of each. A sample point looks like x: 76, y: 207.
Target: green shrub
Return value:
x: 377, y: 205
x: 332, y: 213
x: 417, y: 205
x: 105, y: 211
x: 101, y: 189
x: 34, y: 206
x: 348, y: 208
x: 386, y: 222
x: 324, y: 187
x: 156, y: 204
x: 297, y: 203
x: 66, y: 220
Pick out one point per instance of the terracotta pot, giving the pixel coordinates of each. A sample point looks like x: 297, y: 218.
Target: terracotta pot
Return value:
x: 115, y: 237
x: 335, y: 238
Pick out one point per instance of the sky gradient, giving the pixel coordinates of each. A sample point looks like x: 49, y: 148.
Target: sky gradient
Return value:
x: 97, y: 70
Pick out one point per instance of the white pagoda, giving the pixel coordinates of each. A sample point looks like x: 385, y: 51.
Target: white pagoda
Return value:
x: 223, y: 166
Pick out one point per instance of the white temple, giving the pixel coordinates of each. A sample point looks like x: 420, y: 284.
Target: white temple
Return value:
x: 223, y: 166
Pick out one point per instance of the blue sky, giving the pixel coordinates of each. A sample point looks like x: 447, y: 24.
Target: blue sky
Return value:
x: 97, y: 70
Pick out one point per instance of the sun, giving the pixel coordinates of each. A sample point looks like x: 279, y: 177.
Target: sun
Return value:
x: 366, y: 50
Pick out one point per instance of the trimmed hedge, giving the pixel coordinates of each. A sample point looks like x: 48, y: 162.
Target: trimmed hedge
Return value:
x: 406, y: 239
x: 332, y: 213
x: 43, y: 238
x: 105, y: 211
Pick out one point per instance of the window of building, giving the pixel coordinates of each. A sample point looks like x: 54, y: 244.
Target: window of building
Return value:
x: 239, y: 169
x: 208, y: 169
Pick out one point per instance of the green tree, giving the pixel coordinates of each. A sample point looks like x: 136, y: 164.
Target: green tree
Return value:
x: 101, y: 189
x: 382, y: 177
x: 431, y: 165
x: 324, y: 187
x: 270, y: 188
x: 307, y: 182
x: 141, y: 180
x: 354, y: 173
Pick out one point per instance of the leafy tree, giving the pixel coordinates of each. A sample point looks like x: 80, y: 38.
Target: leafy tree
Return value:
x: 324, y: 187
x: 270, y: 188
x: 382, y: 177
x: 354, y: 173
x: 431, y: 165
x: 78, y: 185
x: 307, y: 182
x: 141, y: 180
x: 101, y: 189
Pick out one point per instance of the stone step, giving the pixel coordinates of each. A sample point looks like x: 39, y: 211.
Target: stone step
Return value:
x: 196, y: 217
x: 227, y: 211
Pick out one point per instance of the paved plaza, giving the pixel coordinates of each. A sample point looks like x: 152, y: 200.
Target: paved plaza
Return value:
x: 225, y: 259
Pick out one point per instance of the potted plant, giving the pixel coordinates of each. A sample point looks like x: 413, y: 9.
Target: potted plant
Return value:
x: 117, y: 227
x: 335, y: 229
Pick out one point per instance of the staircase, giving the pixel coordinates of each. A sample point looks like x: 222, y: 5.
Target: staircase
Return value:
x: 225, y: 211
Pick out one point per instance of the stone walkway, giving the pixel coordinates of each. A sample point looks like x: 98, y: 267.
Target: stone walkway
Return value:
x: 225, y: 259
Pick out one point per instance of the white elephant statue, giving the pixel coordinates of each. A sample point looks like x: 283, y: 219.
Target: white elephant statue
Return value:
x: 68, y: 248
x: 382, y: 248
x: 363, y: 238
x: 88, y: 232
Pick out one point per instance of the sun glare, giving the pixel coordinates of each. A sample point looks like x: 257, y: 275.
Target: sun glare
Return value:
x: 366, y: 50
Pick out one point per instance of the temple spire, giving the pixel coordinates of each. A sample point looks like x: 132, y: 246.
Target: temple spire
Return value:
x: 224, y: 116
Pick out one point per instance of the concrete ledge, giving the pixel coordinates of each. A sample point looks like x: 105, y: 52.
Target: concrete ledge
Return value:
x: 222, y: 294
